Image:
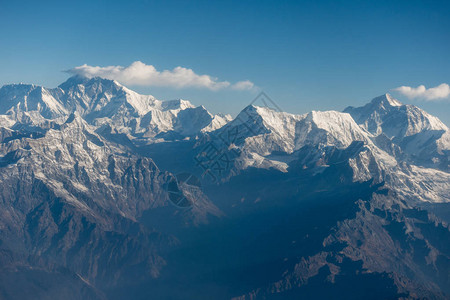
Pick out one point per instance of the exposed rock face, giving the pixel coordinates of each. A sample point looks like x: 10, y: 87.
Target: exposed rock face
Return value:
x: 69, y: 199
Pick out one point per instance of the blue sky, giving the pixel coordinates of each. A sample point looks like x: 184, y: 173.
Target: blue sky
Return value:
x: 307, y: 55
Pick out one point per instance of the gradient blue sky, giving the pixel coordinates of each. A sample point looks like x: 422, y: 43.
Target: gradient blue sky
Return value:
x: 307, y: 55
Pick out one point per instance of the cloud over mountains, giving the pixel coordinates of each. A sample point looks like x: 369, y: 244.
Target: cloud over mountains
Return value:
x: 439, y: 92
x: 138, y: 73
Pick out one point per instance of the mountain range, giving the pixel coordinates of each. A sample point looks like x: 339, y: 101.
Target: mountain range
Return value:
x: 109, y: 194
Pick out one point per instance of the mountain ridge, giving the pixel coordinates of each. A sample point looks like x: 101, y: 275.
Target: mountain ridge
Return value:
x: 326, y: 196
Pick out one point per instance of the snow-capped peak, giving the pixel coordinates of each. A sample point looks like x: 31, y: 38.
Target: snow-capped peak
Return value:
x: 177, y: 104
x: 102, y: 101
x: 387, y: 115
x: 99, y: 95
x: 281, y: 123
x: 328, y: 128
x: 17, y: 99
x: 416, y: 132
x: 386, y: 100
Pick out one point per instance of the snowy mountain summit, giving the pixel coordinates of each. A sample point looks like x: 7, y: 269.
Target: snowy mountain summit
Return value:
x: 423, y: 138
x: 106, y: 102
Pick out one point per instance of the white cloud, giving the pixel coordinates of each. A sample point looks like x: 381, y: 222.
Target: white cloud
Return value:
x: 439, y: 92
x: 139, y: 73
x: 243, y: 85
